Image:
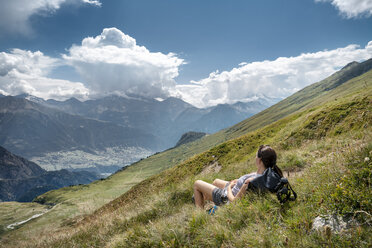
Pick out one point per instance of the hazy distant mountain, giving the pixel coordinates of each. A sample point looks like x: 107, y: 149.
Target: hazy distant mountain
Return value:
x: 31, y: 98
x: 167, y: 119
x: 22, y: 180
x: 29, y: 129
x: 221, y: 116
x: 149, y: 115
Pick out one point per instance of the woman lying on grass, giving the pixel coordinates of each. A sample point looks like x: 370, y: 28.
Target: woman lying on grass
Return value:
x: 221, y: 191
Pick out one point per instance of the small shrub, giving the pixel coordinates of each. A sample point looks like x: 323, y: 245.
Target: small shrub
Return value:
x: 292, y: 161
x: 354, y: 190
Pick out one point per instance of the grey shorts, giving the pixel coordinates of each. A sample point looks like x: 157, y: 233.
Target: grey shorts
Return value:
x: 219, y: 196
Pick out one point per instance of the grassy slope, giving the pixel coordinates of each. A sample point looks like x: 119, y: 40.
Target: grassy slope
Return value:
x: 12, y: 212
x: 142, y: 216
x: 79, y: 200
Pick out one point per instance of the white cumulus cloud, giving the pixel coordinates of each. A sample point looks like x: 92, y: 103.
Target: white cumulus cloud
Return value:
x: 352, y: 8
x: 27, y: 72
x: 93, y: 2
x: 275, y: 78
x: 15, y: 14
x: 113, y: 62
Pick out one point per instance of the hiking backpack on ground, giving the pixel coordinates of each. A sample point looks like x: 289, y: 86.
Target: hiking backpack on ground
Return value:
x: 273, y: 182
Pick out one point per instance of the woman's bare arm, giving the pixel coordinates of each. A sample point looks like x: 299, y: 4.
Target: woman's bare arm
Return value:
x: 241, y: 192
x: 230, y: 195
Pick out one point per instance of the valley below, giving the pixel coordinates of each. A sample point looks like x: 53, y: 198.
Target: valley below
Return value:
x: 105, y: 161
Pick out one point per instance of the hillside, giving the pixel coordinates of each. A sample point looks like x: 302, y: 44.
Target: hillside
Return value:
x: 14, y: 167
x: 22, y: 180
x: 26, y: 189
x: 304, y: 138
x: 189, y: 137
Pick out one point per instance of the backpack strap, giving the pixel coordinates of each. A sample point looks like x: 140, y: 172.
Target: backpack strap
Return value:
x: 294, y: 193
x: 284, y: 191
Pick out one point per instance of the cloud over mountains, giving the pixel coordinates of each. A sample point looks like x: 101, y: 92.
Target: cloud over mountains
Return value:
x: 113, y: 62
x: 27, y: 72
x: 275, y: 78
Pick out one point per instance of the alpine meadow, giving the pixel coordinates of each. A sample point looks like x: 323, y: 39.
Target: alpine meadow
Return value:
x: 188, y: 123
x: 323, y: 137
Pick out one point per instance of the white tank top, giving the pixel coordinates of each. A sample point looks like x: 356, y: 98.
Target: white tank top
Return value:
x: 241, y: 180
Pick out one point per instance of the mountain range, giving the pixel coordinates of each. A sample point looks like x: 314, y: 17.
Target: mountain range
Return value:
x: 45, y: 131
x: 166, y: 119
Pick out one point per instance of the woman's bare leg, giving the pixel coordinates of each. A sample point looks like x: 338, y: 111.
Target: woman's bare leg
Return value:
x: 202, y: 191
x: 219, y: 183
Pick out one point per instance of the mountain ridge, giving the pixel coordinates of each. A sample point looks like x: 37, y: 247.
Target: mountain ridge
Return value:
x: 190, y: 137
x: 14, y: 167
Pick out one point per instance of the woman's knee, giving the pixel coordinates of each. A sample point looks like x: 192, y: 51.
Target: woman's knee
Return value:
x: 197, y: 184
x: 215, y: 182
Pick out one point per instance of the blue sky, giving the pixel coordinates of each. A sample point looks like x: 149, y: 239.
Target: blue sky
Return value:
x: 205, y: 52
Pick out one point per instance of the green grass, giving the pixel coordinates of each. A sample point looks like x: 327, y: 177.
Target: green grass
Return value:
x: 319, y: 125
x: 12, y: 212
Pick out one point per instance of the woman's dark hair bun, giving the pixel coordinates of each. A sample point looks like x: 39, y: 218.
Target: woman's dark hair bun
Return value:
x: 268, y: 156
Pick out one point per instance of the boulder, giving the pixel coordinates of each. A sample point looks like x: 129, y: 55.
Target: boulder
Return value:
x: 332, y: 223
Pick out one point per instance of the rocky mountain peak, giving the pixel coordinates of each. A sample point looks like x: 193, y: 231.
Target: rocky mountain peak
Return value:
x: 351, y: 64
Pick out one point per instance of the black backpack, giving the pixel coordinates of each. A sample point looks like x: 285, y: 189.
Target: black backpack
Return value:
x: 273, y: 182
